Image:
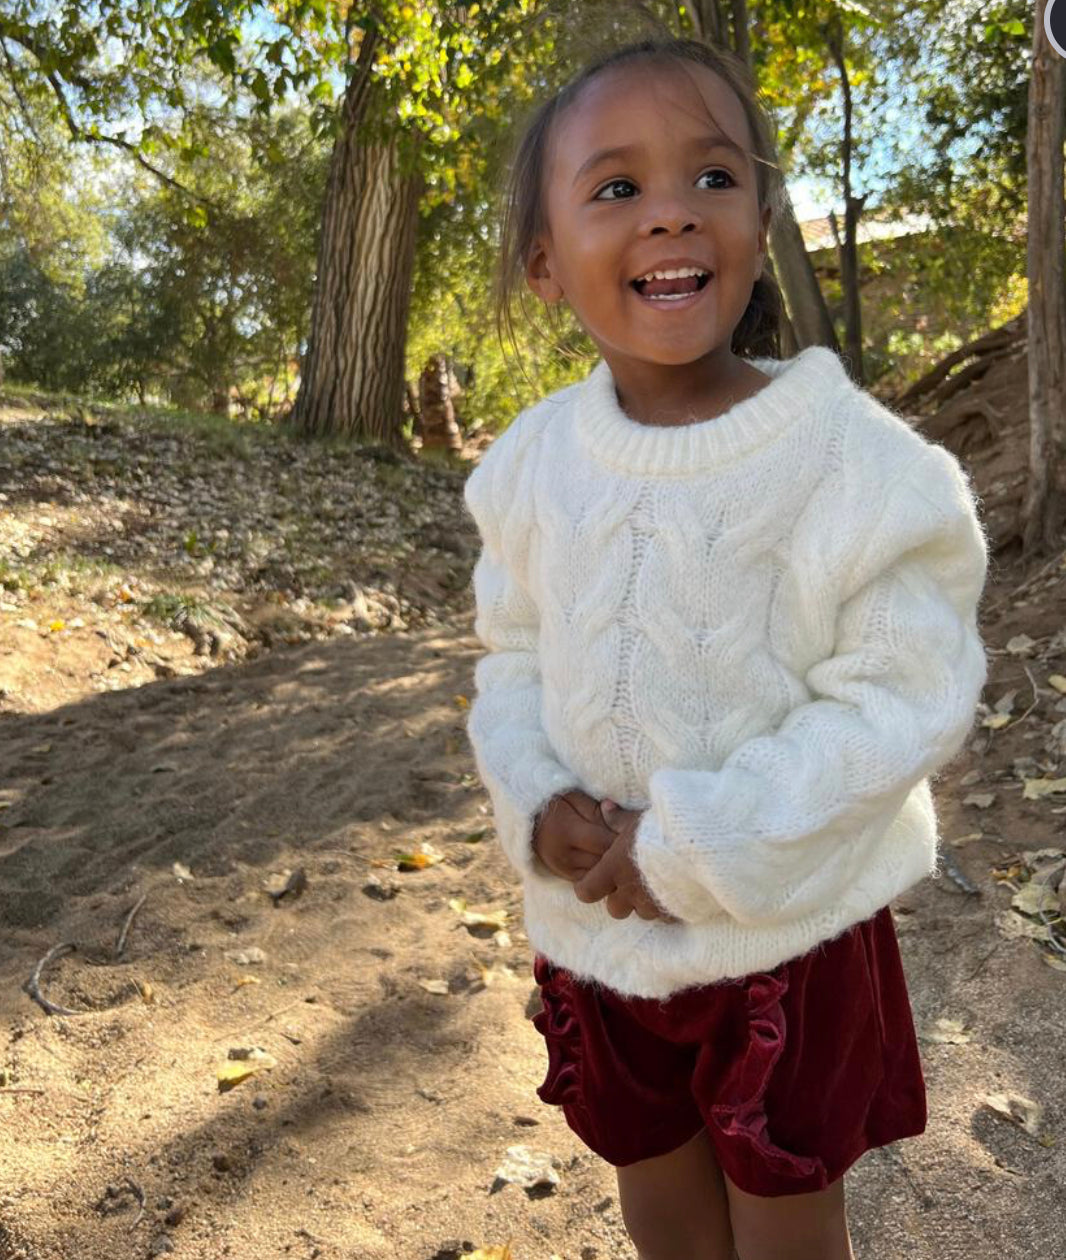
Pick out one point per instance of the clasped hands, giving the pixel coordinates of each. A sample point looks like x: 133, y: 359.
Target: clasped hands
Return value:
x: 590, y: 843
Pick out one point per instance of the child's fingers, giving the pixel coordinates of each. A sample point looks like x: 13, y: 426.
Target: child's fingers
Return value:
x: 597, y: 883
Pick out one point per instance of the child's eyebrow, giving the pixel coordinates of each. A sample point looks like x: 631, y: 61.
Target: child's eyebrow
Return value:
x: 700, y: 143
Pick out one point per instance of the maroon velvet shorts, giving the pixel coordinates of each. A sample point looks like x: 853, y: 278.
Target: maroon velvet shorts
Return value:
x: 794, y: 1072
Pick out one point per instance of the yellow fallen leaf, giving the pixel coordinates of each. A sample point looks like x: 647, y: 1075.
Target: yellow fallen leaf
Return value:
x: 234, y: 1071
x: 462, y: 702
x: 428, y: 856
x: 56, y: 625
x: 996, y: 720
x: 243, y: 980
x: 146, y: 991
x: 1058, y: 681
x: 1037, y: 788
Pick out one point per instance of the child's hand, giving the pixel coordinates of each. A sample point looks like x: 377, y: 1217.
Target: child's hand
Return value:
x: 616, y: 876
x: 571, y: 836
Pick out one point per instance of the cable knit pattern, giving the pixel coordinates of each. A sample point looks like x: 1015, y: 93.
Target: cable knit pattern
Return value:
x: 761, y: 629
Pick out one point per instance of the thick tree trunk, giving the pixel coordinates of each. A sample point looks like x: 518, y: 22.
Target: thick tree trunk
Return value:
x: 807, y: 316
x: 803, y: 298
x: 352, y: 376
x: 848, y: 248
x: 1045, y: 503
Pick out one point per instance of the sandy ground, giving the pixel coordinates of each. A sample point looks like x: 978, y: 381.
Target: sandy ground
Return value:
x: 378, y: 1131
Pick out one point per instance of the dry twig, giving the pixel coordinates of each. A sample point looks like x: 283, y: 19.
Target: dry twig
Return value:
x: 126, y: 926
x: 33, y: 984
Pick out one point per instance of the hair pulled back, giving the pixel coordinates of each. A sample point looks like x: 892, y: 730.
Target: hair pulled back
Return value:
x: 523, y: 219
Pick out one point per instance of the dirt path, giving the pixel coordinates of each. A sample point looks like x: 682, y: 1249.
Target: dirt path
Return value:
x: 378, y: 1132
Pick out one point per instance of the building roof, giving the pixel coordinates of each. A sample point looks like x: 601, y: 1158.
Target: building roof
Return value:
x: 818, y: 233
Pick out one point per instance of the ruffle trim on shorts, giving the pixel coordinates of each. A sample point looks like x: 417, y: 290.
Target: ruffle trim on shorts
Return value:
x: 747, y: 1118
x: 559, y: 1026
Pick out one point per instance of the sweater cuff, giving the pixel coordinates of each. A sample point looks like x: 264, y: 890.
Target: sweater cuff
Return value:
x: 670, y: 877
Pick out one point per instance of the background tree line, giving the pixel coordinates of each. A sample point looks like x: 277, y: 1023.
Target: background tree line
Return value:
x: 290, y: 207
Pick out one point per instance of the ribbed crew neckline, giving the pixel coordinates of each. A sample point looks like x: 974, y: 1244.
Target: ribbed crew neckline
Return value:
x: 626, y: 445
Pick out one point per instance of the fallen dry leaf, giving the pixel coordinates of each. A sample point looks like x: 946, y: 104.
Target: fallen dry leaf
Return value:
x: 427, y: 855
x: 1033, y: 897
x: 982, y: 800
x: 237, y: 1069
x: 948, y: 1032
x: 472, y: 918
x: 1022, y: 1111
x: 1037, y: 788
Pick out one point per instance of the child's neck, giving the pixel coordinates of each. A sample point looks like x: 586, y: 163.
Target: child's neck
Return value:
x: 668, y: 394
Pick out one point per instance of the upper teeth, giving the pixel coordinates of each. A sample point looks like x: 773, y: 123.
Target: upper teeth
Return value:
x: 673, y: 275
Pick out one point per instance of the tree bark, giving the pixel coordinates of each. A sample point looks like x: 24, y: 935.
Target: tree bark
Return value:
x: 806, y: 313
x: 707, y: 22
x: 848, y: 248
x: 741, y: 39
x: 352, y: 375
x: 803, y: 298
x: 1045, y: 501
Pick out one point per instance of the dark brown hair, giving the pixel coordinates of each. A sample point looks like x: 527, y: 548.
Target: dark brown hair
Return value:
x: 522, y: 218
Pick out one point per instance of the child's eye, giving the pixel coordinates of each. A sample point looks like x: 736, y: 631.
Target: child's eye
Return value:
x: 614, y: 183
x: 719, y: 171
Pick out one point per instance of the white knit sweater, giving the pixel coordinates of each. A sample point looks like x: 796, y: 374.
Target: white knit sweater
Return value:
x: 759, y: 628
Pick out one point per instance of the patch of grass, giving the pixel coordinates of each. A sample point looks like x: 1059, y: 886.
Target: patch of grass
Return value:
x: 172, y: 608
x: 75, y: 573
x: 220, y: 434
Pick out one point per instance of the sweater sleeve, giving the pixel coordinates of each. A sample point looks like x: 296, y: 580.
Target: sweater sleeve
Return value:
x: 789, y: 821
x: 514, y: 756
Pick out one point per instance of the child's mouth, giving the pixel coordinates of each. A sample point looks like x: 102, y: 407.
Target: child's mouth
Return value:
x: 674, y: 291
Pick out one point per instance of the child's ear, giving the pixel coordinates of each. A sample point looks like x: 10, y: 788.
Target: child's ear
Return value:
x: 764, y: 234
x: 539, y: 274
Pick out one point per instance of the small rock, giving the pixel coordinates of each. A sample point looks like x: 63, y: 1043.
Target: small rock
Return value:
x: 527, y: 1168
x: 379, y: 891
x: 246, y: 957
x: 260, y: 1101
x: 162, y: 1244
x: 175, y: 1216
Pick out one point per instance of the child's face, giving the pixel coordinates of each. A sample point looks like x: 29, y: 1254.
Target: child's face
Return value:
x: 675, y: 193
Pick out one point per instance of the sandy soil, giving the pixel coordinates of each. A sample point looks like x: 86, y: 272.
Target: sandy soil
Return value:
x: 378, y: 1131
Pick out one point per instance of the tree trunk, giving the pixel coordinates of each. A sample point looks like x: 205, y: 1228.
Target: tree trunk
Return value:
x: 437, y: 387
x: 352, y: 376
x: 803, y: 298
x: 806, y: 314
x: 848, y: 248
x: 707, y: 22
x: 741, y: 39
x: 1045, y: 502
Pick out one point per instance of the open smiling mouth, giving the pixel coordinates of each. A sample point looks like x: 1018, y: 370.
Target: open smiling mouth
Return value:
x: 671, y: 287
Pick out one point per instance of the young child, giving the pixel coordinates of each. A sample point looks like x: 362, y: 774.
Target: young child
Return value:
x: 729, y: 606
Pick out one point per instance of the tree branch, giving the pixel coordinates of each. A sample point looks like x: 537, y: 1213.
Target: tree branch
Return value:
x: 78, y: 133
x: 24, y: 40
